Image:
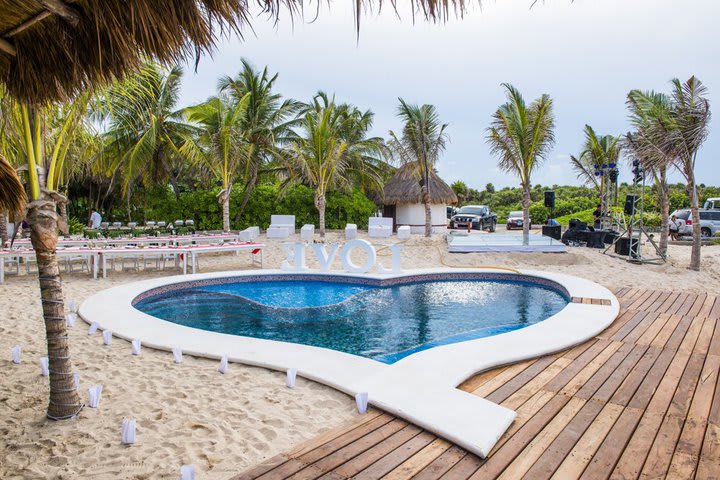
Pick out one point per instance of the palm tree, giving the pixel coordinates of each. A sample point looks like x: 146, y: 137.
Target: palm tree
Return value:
x: 422, y: 141
x: 647, y: 107
x: 145, y: 128
x: 332, y: 149
x: 40, y: 146
x: 219, y: 144
x: 521, y: 136
x: 600, y: 154
x: 678, y: 136
x: 265, y: 124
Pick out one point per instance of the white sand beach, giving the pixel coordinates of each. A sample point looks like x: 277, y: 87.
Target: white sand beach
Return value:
x: 189, y: 413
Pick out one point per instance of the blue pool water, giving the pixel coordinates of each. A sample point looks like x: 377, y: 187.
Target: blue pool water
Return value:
x: 382, y: 323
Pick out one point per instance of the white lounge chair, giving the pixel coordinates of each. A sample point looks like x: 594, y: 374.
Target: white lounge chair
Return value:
x: 281, y: 226
x: 307, y: 232
x: 380, y: 227
x: 350, y: 231
x: 403, y: 232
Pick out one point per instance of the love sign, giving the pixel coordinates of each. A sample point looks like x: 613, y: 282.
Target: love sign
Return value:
x: 326, y: 254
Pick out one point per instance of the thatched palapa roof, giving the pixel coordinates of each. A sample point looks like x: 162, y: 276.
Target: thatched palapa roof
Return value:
x: 52, y: 49
x: 404, y: 188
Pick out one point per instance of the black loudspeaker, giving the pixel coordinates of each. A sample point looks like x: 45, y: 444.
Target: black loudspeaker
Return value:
x: 552, y: 231
x: 622, y: 246
x: 550, y: 198
x: 630, y: 203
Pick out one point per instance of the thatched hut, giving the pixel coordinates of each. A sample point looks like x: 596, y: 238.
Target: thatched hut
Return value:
x: 403, y: 200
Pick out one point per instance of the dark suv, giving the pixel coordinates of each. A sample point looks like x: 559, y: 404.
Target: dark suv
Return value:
x: 478, y: 216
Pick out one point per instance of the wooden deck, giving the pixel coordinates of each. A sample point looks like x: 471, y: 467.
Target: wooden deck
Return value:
x: 642, y: 400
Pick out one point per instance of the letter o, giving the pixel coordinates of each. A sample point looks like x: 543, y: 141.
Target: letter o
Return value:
x: 352, y: 267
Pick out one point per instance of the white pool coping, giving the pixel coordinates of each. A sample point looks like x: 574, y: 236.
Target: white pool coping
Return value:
x: 420, y: 388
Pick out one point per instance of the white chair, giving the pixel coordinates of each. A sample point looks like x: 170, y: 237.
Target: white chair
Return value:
x: 104, y: 225
x: 132, y: 224
x: 307, y: 232
x: 189, y: 223
x: 150, y: 224
x: 179, y: 223
x: 162, y: 224
x: 350, y: 231
x: 403, y: 232
x: 116, y: 224
x: 380, y: 227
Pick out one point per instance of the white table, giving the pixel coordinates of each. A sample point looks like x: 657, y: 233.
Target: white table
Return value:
x: 105, y: 253
x: 6, y: 255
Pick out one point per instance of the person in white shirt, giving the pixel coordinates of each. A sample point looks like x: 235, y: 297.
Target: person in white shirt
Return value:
x: 95, y: 219
x: 674, y: 227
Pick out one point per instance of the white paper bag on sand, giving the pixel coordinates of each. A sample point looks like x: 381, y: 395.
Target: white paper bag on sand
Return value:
x: 177, y: 353
x: 72, y: 306
x: 93, y: 328
x: 107, y: 337
x: 44, y: 366
x: 136, y: 346
x: 71, y: 317
x: 15, y: 353
x: 222, y: 368
x: 127, y: 435
x: 187, y: 472
x: 94, y: 393
x: 76, y: 379
x: 291, y: 376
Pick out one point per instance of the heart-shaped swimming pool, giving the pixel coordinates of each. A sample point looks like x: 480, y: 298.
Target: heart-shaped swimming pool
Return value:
x: 385, y: 323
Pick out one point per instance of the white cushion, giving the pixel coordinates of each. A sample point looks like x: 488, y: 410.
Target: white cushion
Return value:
x: 350, y: 231
x: 404, y: 232
x: 275, y: 231
x: 283, y: 221
x: 307, y: 232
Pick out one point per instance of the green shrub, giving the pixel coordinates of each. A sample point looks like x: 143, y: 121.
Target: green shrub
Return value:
x: 75, y: 226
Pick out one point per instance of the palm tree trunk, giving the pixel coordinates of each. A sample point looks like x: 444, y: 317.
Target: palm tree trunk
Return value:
x: 3, y: 228
x: 428, y: 211
x: 63, y: 223
x: 226, y: 211
x: 246, y: 198
x: 526, y: 214
x: 320, y: 205
x: 697, y: 240
x: 64, y: 399
x: 664, y: 211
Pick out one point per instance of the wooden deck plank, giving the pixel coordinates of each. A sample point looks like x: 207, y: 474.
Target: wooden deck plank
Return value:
x: 413, y: 465
x: 640, y: 400
x: 574, y: 463
x: 441, y: 465
x: 560, y: 448
x: 378, y: 451
x: 386, y: 464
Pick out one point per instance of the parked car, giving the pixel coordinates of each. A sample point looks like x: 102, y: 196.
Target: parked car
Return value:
x: 709, y: 222
x: 451, y: 211
x: 479, y: 217
x: 712, y: 204
x: 515, y: 220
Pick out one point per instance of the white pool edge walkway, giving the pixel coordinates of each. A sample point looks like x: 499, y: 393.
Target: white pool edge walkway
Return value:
x: 420, y: 388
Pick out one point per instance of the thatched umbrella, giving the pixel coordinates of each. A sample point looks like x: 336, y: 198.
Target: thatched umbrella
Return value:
x: 404, y: 188
x: 51, y: 50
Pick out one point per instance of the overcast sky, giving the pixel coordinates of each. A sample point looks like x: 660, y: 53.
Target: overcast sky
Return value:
x: 585, y: 54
